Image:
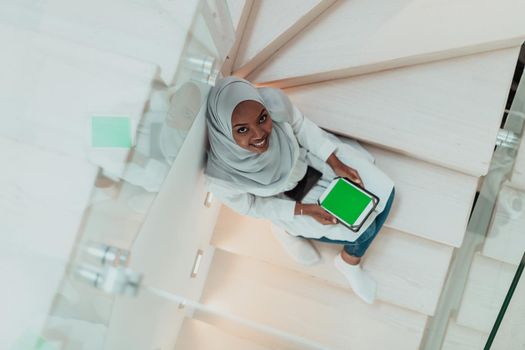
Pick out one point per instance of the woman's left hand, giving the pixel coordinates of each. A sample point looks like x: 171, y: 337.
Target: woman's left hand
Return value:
x: 344, y: 170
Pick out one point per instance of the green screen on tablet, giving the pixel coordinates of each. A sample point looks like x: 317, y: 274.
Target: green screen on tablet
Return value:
x: 346, y: 201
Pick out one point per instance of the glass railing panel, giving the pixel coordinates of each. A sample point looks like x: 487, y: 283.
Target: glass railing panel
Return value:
x: 507, y: 331
x: 484, y: 266
x: 506, y: 241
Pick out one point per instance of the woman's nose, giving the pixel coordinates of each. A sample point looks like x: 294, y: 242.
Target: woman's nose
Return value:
x: 258, y: 133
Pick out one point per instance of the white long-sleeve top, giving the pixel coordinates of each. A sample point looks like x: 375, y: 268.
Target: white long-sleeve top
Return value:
x: 270, y: 203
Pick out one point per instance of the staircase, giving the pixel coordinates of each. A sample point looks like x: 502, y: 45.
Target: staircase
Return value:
x: 423, y: 86
x: 196, y: 334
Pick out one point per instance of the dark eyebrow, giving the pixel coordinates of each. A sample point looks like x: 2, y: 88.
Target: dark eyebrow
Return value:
x: 260, y: 114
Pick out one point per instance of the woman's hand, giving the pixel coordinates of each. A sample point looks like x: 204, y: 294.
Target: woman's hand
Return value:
x: 315, y: 211
x: 351, y: 173
x: 343, y: 170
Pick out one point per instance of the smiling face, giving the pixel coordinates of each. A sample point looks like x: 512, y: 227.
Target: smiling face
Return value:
x: 252, y: 126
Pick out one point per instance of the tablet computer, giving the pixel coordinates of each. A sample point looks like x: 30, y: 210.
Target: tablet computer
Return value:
x: 348, y: 202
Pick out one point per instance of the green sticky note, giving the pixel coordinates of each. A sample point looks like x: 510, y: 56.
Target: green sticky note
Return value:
x: 114, y: 132
x: 32, y: 341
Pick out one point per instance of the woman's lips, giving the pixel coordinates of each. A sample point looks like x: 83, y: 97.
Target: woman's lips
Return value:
x: 260, y: 144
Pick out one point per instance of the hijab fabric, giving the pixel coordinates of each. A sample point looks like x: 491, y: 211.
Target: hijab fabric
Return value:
x: 228, y: 161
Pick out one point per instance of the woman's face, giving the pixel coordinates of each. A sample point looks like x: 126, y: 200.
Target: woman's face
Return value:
x: 252, y: 126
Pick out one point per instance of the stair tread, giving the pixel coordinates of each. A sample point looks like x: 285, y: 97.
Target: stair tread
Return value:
x: 416, y: 288
x: 47, y: 187
x: 307, y: 307
x: 61, y: 74
x: 425, y: 194
x: 431, y: 202
x: 145, y: 30
x: 404, y: 109
x: 197, y: 335
x: 271, y: 24
x: 357, y: 37
x: 38, y: 189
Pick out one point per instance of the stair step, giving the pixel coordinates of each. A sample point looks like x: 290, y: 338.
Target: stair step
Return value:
x: 410, y: 271
x: 463, y: 338
x: 358, y: 37
x: 446, y: 113
x: 487, y: 285
x: 42, y: 199
x: 271, y: 24
x: 307, y: 307
x: 198, y: 335
x: 431, y: 202
x: 425, y: 195
x: 149, y: 31
x: 45, y: 85
x: 38, y: 190
x: 505, y: 238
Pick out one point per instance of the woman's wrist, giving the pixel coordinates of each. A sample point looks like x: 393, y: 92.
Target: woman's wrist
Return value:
x: 334, y: 162
x: 300, y: 208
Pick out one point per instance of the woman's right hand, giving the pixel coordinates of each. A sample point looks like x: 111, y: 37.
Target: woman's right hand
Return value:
x: 318, y: 213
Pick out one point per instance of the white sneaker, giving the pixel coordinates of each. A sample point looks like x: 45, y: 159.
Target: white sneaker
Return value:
x: 363, y: 285
x: 299, y: 249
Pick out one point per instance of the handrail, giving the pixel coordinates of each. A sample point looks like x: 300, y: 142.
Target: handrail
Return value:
x: 505, y: 304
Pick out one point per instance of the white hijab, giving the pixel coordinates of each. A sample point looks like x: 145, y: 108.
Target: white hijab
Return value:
x: 233, y: 164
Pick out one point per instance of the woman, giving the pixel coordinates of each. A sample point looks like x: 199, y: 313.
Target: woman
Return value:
x: 261, y: 147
